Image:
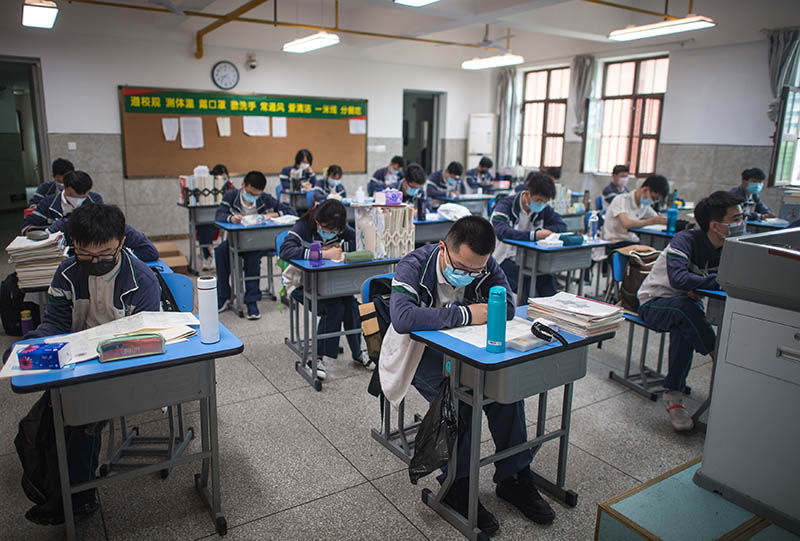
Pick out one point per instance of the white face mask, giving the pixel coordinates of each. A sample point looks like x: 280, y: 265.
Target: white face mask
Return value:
x: 623, y: 182
x: 74, y: 202
x: 304, y: 166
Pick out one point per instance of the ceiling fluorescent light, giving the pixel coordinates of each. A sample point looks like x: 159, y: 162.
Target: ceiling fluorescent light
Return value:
x: 415, y: 3
x: 311, y: 43
x: 39, y: 13
x: 690, y: 22
x: 500, y: 60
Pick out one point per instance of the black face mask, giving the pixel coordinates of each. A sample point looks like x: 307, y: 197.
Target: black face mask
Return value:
x: 100, y: 267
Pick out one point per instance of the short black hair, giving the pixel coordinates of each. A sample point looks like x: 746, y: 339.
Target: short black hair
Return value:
x: 80, y: 181
x: 455, y: 169
x: 619, y: 169
x: 415, y: 174
x: 62, y: 166
x: 398, y: 160
x: 538, y: 183
x: 475, y: 231
x: 554, y: 172
x: 303, y: 154
x: 754, y: 173
x: 96, y: 223
x: 486, y: 162
x: 334, y: 170
x: 714, y: 208
x: 219, y: 170
x: 657, y: 184
x: 330, y: 213
x: 256, y: 179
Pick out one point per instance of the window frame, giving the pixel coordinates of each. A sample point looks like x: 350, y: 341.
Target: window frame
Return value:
x: 546, y: 101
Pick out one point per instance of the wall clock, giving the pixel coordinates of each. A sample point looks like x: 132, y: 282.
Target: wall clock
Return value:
x: 225, y: 75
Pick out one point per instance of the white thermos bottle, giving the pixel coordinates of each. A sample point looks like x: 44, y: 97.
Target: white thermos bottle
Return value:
x: 207, y: 309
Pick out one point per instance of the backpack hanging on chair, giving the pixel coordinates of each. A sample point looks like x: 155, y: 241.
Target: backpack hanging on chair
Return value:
x: 640, y: 263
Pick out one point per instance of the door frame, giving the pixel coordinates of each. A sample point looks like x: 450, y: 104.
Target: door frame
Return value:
x: 439, y: 110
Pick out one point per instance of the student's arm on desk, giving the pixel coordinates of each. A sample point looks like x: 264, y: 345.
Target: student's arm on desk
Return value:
x: 500, y: 222
x: 37, y: 218
x: 553, y: 221
x: 224, y: 211
x: 629, y: 223
x: 680, y: 277
x: 435, y: 192
x: 408, y: 316
x: 293, y: 246
x: 57, y: 318
x: 283, y: 209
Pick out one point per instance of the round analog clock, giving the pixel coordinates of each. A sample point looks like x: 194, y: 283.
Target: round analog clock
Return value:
x: 225, y: 75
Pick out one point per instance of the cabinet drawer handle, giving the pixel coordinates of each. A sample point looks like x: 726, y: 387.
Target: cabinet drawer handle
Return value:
x: 797, y: 336
x: 790, y: 354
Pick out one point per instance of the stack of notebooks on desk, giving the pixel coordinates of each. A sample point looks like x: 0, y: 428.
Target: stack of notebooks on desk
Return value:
x: 36, y: 261
x: 578, y: 315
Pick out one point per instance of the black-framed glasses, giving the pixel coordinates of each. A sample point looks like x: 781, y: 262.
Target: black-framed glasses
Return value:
x: 463, y: 272
x: 99, y: 257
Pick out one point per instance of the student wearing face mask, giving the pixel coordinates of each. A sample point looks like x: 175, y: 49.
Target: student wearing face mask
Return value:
x: 205, y: 232
x: 60, y: 168
x: 752, y: 183
x: 249, y: 200
x: 413, y: 186
x: 77, y: 186
x: 446, y: 183
x: 618, y: 184
x: 527, y: 215
x: 100, y: 283
x: 383, y: 177
x: 667, y: 298
x: 135, y: 242
x: 300, y: 170
x: 481, y: 176
x: 633, y: 210
x: 332, y: 183
x: 327, y: 224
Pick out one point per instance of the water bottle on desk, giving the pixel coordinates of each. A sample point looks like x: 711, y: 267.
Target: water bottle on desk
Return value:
x: 315, y: 254
x: 594, y: 220
x: 421, y: 209
x: 496, y: 320
x: 672, y: 218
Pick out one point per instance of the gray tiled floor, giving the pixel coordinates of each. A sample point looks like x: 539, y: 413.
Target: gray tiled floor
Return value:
x: 297, y: 464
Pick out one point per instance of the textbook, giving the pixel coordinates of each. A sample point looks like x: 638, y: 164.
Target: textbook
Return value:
x: 578, y: 315
x: 36, y: 261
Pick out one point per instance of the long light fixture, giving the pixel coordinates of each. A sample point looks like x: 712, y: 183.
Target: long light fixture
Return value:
x: 674, y: 26
x: 311, y: 43
x: 415, y: 3
x: 497, y: 61
x: 39, y: 13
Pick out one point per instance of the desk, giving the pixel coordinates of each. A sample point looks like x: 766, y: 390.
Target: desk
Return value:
x: 763, y: 227
x: 534, y: 259
x: 93, y: 391
x: 478, y: 378
x: 653, y: 237
x: 428, y: 231
x: 714, y: 313
x: 477, y: 204
x: 250, y: 238
x: 331, y: 279
x: 574, y: 221
x: 198, y: 215
x: 298, y: 201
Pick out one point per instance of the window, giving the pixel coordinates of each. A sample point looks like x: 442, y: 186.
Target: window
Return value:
x: 785, y: 166
x: 544, y: 117
x: 624, y: 126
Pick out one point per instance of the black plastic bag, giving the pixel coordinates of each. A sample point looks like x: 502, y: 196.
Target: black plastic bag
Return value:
x: 436, y: 436
x: 36, y: 447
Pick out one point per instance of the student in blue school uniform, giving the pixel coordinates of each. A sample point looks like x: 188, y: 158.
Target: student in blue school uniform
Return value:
x: 752, y: 183
x: 77, y: 186
x: 481, y: 176
x: 446, y: 182
x: 667, y: 298
x: 527, y: 215
x: 795, y: 223
x: 618, y: 184
x: 332, y: 183
x: 441, y: 286
x: 249, y: 200
x: 383, y: 177
x: 300, y: 170
x: 205, y: 232
x: 327, y: 224
x: 137, y: 243
x: 412, y: 185
x: 60, y: 168
x: 100, y: 283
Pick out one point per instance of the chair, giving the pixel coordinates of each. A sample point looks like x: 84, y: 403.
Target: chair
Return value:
x: 493, y: 203
x: 598, y: 203
x: 278, y: 192
x: 310, y: 198
x: 182, y: 290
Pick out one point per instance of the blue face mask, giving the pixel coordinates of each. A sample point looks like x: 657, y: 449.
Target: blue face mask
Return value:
x: 455, y: 279
x: 334, y: 182
x: 327, y: 236
x: 411, y: 192
x: 249, y: 198
x: 537, y: 206
x: 451, y: 181
x: 645, y: 202
x: 754, y: 187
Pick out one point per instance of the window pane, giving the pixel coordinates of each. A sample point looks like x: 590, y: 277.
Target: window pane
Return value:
x: 652, y: 111
x: 615, y: 134
x: 559, y: 84
x: 647, y: 164
x: 553, y: 151
x: 637, y: 132
x: 535, y: 85
x: 619, y: 78
x: 653, y: 76
x: 532, y: 134
x: 556, y: 117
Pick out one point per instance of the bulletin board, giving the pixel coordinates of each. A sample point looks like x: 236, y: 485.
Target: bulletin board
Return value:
x: 334, y: 130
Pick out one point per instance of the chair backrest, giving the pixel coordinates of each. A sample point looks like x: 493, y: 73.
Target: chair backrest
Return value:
x: 182, y: 290
x: 279, y: 241
x: 598, y: 202
x: 619, y: 262
x: 493, y: 203
x: 278, y: 191
x: 310, y: 198
x: 365, y: 292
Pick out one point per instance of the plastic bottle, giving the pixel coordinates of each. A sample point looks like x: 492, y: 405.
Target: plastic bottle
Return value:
x: 421, y: 209
x: 360, y: 195
x: 315, y: 254
x: 27, y: 321
x: 672, y: 218
x: 496, y: 320
x: 594, y: 220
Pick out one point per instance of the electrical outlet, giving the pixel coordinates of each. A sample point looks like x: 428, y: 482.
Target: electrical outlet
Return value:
x: 72, y: 145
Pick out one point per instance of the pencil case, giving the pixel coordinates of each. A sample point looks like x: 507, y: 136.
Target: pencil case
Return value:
x: 359, y: 256
x: 128, y: 347
x: 571, y: 240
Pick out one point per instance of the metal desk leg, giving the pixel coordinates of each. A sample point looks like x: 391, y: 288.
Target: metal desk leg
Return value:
x: 192, y: 240
x: 475, y: 452
x: 581, y: 275
x: 63, y: 468
x: 210, y: 442
x: 310, y: 304
x: 237, y: 285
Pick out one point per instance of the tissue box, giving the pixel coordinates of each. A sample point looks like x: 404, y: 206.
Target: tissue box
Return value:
x: 40, y: 356
x: 393, y: 197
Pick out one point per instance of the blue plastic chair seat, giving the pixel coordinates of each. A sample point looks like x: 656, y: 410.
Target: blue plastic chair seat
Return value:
x: 365, y: 292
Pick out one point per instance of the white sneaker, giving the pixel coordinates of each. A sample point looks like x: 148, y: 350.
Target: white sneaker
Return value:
x: 678, y: 416
x: 321, y: 373
x: 364, y: 360
x: 224, y: 306
x: 208, y: 263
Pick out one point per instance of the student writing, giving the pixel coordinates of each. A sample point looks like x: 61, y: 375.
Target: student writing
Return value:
x: 446, y: 182
x: 77, y: 186
x: 412, y: 185
x: 60, y: 167
x: 618, y: 184
x: 752, y: 183
x: 480, y: 176
x: 332, y: 183
x: 383, y: 177
x: 300, y: 170
x: 634, y: 210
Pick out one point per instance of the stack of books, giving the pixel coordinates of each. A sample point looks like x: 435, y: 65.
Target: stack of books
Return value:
x: 578, y: 315
x: 36, y: 261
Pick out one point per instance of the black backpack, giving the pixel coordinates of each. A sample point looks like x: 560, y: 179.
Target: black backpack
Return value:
x: 12, y: 303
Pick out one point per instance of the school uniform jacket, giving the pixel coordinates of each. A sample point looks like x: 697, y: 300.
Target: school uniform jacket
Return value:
x: 286, y: 175
x: 611, y: 191
x: 232, y: 205
x: 136, y: 242
x: 506, y: 214
x: 43, y: 190
x: 438, y: 188
x: 50, y: 209
x: 476, y: 181
x: 758, y: 205
x: 299, y: 239
x: 378, y: 181
x: 136, y: 290
x: 323, y: 188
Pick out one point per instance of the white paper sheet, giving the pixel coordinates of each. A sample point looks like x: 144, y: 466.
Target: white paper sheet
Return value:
x: 191, y: 132
x: 169, y: 126
x: 476, y: 334
x: 279, y: 126
x: 358, y: 126
x: 256, y: 126
x: 224, y: 126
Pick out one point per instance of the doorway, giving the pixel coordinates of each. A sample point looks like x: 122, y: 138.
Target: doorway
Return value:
x: 421, y: 112
x: 24, y: 157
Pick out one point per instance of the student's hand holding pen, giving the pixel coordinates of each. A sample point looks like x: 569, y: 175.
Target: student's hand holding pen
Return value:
x: 333, y: 252
x: 271, y: 215
x: 236, y: 219
x: 479, y: 313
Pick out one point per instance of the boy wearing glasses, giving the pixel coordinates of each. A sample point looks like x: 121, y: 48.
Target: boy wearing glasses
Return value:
x: 441, y: 286
x: 102, y: 282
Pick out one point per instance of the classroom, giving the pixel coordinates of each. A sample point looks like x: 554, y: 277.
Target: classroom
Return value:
x: 400, y: 269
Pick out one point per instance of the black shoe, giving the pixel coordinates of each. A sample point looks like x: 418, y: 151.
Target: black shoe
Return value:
x: 458, y: 499
x: 520, y: 491
x: 38, y: 515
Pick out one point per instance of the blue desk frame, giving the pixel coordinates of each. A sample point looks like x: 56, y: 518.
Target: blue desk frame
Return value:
x: 653, y: 237
x: 93, y: 391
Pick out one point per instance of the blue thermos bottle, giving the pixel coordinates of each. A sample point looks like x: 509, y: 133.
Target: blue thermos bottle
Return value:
x: 672, y: 218
x: 496, y: 320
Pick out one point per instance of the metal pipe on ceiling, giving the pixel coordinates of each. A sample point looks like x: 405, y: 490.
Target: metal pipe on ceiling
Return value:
x: 634, y: 9
x: 224, y: 20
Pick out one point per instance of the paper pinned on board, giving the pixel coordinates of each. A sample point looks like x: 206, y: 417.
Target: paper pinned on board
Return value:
x: 224, y: 126
x: 169, y: 126
x: 191, y: 132
x: 476, y: 334
x: 256, y: 126
x: 358, y: 126
x: 279, y: 126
